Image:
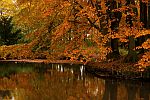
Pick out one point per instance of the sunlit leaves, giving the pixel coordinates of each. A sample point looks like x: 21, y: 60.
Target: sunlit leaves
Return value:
x: 146, y: 44
x: 7, y: 8
x: 145, y: 61
x: 74, y: 27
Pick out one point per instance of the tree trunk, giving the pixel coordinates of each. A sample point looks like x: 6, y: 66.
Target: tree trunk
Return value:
x: 114, y: 46
x: 115, y: 18
x: 143, y: 13
x: 132, y: 56
x: 144, y: 18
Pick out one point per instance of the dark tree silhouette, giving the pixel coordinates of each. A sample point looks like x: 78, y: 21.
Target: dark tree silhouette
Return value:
x: 7, y: 34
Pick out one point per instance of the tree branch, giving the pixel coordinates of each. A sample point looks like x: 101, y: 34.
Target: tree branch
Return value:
x: 90, y: 21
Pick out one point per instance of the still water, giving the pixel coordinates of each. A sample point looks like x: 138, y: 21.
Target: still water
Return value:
x: 24, y: 81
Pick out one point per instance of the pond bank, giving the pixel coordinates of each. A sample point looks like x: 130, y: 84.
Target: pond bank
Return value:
x: 113, y: 69
x: 42, y: 61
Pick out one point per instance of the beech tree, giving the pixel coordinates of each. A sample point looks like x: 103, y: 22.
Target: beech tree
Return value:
x: 92, y: 28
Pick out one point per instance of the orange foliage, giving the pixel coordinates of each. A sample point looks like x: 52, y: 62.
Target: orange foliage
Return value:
x: 145, y: 61
x: 73, y: 28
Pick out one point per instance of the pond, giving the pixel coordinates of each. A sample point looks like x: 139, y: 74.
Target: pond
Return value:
x: 30, y: 81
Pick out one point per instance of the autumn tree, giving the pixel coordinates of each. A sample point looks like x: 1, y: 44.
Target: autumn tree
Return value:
x: 91, y: 28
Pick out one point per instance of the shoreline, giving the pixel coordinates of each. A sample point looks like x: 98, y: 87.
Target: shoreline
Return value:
x: 107, y: 70
x: 42, y: 61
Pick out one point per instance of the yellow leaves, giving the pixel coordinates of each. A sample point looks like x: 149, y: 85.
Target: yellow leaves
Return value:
x: 47, y: 1
x: 66, y: 4
x: 7, y: 7
x: 142, y: 32
x: 71, y: 36
x: 22, y: 51
x: 146, y: 45
x: 47, y: 13
x: 123, y: 40
x: 33, y: 14
x: 75, y: 52
x: 144, y: 61
x: 125, y: 31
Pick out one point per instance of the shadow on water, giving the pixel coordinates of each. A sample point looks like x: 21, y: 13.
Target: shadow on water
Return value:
x: 29, y: 81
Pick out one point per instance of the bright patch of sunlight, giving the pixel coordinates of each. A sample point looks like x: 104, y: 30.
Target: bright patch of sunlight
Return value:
x: 123, y: 52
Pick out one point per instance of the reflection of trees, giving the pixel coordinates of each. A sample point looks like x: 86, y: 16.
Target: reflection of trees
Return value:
x: 137, y: 90
x: 132, y: 90
x: 65, y: 82
x: 145, y: 91
x: 110, y: 90
x: 5, y: 94
x: 94, y: 87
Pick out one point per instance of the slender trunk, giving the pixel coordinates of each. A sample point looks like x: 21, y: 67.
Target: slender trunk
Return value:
x: 132, y: 56
x: 145, y: 19
x: 143, y: 13
x: 115, y: 18
x: 114, y: 46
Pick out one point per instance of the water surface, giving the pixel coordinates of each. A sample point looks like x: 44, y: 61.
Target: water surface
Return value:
x: 24, y: 81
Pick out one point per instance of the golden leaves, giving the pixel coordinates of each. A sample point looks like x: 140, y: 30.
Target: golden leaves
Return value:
x: 47, y: 13
x: 62, y: 29
x: 145, y: 61
x: 146, y: 45
x: 142, y: 32
x: 7, y: 8
x: 47, y: 1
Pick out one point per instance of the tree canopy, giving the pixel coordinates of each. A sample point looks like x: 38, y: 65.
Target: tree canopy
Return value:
x: 98, y: 30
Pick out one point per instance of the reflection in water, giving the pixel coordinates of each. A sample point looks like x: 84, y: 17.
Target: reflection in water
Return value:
x: 110, y: 90
x: 64, y: 82
x: 6, y: 94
